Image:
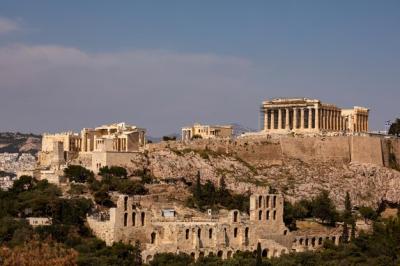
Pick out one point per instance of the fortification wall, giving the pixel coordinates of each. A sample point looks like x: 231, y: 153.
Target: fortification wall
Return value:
x: 102, y: 229
x: 366, y: 150
x: 316, y: 148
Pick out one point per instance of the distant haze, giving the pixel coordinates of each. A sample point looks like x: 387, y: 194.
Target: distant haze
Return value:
x: 66, y: 65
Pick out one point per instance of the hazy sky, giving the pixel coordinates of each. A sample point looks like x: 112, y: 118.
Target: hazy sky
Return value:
x: 164, y: 64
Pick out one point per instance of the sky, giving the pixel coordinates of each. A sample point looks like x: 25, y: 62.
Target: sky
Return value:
x: 161, y: 65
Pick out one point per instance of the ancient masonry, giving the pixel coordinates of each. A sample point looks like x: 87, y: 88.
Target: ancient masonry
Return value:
x: 206, y: 131
x: 163, y: 229
x: 307, y: 115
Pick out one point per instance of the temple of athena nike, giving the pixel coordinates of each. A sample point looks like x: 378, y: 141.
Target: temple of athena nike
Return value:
x: 302, y: 115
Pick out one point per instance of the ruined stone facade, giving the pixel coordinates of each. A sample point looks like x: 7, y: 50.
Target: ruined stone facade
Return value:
x: 101, y: 144
x: 163, y: 229
x: 207, y: 131
x: 302, y: 115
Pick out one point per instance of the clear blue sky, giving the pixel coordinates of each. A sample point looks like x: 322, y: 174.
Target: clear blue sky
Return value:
x: 164, y: 64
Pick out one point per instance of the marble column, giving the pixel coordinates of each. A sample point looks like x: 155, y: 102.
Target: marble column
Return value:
x: 272, y: 119
x: 287, y: 124
x: 279, y: 118
x: 317, y: 118
x: 302, y: 118
x: 266, y: 120
x: 294, y: 118
x: 323, y: 119
x: 309, y: 118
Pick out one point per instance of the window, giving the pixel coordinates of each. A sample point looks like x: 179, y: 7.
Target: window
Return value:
x: 199, y: 233
x: 267, y: 215
x: 143, y: 218
x: 133, y: 218
x: 259, y: 201
x: 274, y: 215
x: 267, y: 201
x: 125, y: 203
x: 235, y: 232
x: 235, y: 216
x: 259, y: 215
x: 187, y: 233
x: 125, y: 219
x: 274, y: 202
x: 153, y: 238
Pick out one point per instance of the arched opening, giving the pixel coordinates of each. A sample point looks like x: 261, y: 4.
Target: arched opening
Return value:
x: 246, y: 233
x: 259, y: 215
x: 320, y: 241
x: 267, y: 216
x: 133, y: 218
x: 153, y: 238
x: 334, y: 239
x: 259, y: 201
x: 187, y: 234
x: 235, y: 216
x: 211, y: 254
x: 143, y: 218
x: 274, y: 202
x: 229, y: 254
x: 301, y: 241
x: 313, y: 242
x: 201, y: 254
x: 283, y: 252
x: 284, y: 232
x: 125, y: 203
x: 274, y: 215
x: 267, y: 201
x: 306, y: 241
x: 210, y: 233
x: 192, y: 255
x: 125, y: 219
x: 235, y: 232
x: 220, y: 253
x: 264, y: 253
x: 148, y: 258
x: 199, y: 233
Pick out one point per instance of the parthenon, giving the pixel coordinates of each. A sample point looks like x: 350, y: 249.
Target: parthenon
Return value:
x: 308, y: 115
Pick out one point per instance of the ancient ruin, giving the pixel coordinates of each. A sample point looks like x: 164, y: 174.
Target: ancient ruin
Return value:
x: 206, y: 131
x: 162, y: 228
x: 302, y: 115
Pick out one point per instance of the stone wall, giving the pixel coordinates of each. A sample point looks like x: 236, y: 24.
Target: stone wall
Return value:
x: 366, y: 150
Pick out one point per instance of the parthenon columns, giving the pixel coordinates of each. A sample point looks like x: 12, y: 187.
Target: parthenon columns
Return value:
x: 279, y: 118
x: 302, y: 118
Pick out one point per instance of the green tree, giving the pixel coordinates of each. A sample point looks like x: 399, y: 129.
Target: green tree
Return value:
x: 115, y: 171
x: 395, y: 128
x: 368, y: 213
x: 78, y: 173
x: 258, y: 258
x: 324, y: 209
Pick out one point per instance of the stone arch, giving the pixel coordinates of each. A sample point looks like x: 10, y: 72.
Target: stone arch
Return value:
x: 320, y: 241
x: 149, y: 258
x: 259, y: 201
x: 211, y: 254
x: 246, y: 233
x: 235, y: 232
x: 220, y: 253
x: 267, y: 201
x: 210, y: 231
x: 274, y: 202
x: 229, y: 254
x: 283, y: 252
x: 301, y: 241
x: 284, y: 232
x: 313, y: 242
x: 264, y: 253
x: 192, y: 255
x: 199, y: 233
x: 267, y: 215
x: 334, y: 239
x: 201, y: 254
x: 306, y: 241
x: 260, y: 215
x: 153, y: 237
x: 274, y: 215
